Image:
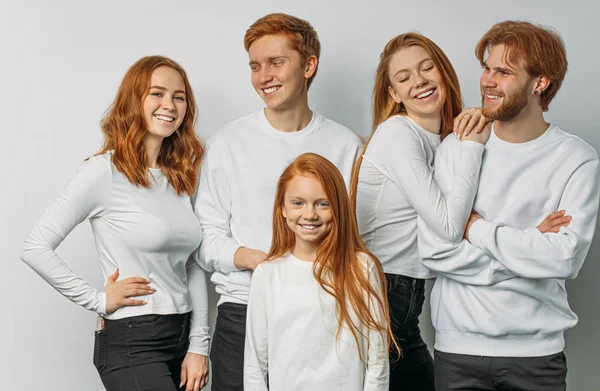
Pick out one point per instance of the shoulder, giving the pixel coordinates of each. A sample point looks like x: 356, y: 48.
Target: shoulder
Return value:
x: 98, y: 165
x: 234, y: 129
x: 397, y: 137
x: 448, y: 145
x: 397, y: 130
x: 271, y: 265
x: 337, y: 130
x: 574, y: 145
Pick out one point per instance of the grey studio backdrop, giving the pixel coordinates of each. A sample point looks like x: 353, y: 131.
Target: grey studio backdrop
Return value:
x: 62, y: 62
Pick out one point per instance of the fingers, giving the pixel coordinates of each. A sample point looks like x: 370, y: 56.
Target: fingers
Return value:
x: 462, y: 124
x: 555, y: 215
x: 553, y: 222
x: 481, y: 124
x: 559, y: 222
x: 113, y: 277
x: 197, y: 385
x: 138, y: 292
x: 473, y: 122
x: 132, y: 302
x: 183, y: 375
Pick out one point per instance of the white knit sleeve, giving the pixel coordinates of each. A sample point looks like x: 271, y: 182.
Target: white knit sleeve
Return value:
x: 85, y: 197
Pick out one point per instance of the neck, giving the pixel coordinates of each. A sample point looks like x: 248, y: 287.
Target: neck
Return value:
x: 528, y: 125
x: 305, y: 251
x: 153, y: 144
x: 290, y: 119
x: 432, y: 124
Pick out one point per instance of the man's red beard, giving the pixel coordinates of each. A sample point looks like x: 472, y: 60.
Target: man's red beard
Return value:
x: 511, y: 105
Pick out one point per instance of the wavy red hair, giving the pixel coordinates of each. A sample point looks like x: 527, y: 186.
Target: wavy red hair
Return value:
x: 384, y: 105
x: 302, y: 37
x: 337, y: 267
x: 124, y: 129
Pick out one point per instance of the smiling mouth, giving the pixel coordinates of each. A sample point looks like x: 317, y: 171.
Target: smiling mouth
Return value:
x: 164, y: 118
x: 425, y: 94
x: 310, y: 227
x: 492, y: 97
x: 271, y: 90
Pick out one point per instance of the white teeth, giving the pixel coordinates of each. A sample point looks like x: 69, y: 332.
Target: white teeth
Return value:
x: 271, y: 89
x: 309, y: 227
x: 492, y: 96
x: 164, y: 118
x: 425, y: 94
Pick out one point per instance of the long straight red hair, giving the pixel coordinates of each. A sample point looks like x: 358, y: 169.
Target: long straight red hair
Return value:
x: 124, y: 130
x: 385, y: 107
x: 337, y: 268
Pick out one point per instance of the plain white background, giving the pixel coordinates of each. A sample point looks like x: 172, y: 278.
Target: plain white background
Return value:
x: 62, y: 62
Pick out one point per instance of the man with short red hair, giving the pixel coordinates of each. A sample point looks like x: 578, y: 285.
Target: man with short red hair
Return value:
x: 499, y: 305
x: 243, y: 162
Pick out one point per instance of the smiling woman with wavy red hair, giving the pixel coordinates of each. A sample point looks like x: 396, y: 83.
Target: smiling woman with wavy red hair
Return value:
x: 136, y: 194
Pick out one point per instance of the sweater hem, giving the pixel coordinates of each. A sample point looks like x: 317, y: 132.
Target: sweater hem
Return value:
x: 529, y: 345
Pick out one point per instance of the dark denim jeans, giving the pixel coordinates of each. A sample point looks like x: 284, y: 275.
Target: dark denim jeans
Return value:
x: 142, y: 353
x: 461, y: 372
x: 414, y: 371
x: 227, y: 350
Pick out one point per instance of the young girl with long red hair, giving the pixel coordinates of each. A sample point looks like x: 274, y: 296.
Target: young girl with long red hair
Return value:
x: 136, y: 194
x: 317, y: 313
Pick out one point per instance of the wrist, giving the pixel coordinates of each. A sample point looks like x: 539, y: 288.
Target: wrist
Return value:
x: 239, y: 258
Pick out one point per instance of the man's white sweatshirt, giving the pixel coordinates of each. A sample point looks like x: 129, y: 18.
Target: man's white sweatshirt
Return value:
x: 242, y: 165
x: 503, y: 294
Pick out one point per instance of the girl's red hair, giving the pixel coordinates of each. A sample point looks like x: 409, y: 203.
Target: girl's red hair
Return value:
x: 337, y: 268
x: 124, y: 130
x: 385, y: 107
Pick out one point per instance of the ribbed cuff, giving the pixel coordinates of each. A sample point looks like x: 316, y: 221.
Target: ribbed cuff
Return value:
x: 478, y: 231
x: 199, y: 345
x: 226, y: 256
x: 101, y: 310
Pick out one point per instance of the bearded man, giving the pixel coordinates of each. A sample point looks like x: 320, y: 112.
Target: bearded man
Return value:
x: 499, y: 305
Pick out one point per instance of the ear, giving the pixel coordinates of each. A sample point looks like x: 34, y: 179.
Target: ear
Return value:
x: 541, y: 84
x: 394, y: 96
x: 283, y: 212
x: 311, y: 67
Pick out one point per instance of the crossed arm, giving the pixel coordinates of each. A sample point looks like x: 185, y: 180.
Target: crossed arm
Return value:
x: 495, y: 251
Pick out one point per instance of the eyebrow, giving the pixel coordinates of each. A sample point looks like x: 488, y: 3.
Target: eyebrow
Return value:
x: 419, y: 64
x: 269, y: 59
x: 298, y: 198
x: 501, y: 69
x: 164, y: 89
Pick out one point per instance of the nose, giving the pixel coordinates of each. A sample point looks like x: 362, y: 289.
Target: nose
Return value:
x: 310, y: 213
x: 265, y: 75
x: 487, y: 80
x: 167, y: 104
x: 419, y: 80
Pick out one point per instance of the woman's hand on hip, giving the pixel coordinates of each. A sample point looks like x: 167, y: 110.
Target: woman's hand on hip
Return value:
x: 119, y: 293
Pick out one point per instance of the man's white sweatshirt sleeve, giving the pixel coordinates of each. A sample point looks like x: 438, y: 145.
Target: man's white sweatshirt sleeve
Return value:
x: 531, y: 254
x: 213, y: 208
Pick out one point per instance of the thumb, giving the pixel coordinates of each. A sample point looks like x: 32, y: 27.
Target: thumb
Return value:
x: 183, y: 375
x: 113, y: 277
